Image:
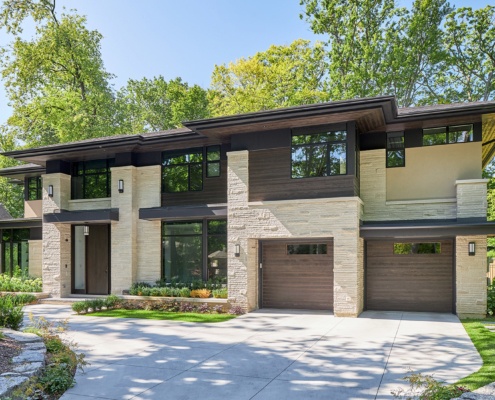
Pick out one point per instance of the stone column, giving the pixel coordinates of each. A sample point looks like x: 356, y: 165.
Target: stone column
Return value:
x: 35, y: 258
x: 238, y: 210
x: 471, y: 198
x: 124, y: 231
x: 56, y: 271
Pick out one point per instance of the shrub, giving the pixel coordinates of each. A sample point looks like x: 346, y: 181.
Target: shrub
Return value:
x: 490, y: 301
x: 184, y: 292
x: 200, y: 293
x: 112, y: 301
x: 218, y: 309
x: 79, y: 307
x: 186, y: 307
x: 236, y: 310
x: 426, y: 387
x: 20, y: 283
x: 203, y: 308
x: 23, y: 298
x: 96, y: 304
x: 11, y: 315
x: 57, y: 379
x: 222, y: 293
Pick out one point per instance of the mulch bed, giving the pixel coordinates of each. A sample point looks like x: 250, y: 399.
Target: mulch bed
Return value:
x: 9, y: 348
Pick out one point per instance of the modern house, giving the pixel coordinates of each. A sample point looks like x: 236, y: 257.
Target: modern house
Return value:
x: 340, y: 206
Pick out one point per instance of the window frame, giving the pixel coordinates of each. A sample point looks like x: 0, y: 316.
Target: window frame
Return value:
x: 17, y: 237
x: 38, y: 189
x: 448, y: 129
x: 396, y: 149
x: 109, y: 163
x: 326, y: 144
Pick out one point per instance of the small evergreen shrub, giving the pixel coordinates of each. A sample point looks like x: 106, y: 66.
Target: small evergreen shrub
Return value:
x: 184, y: 292
x: 11, y: 314
x: 79, y: 307
x: 490, y: 301
x: 112, y: 301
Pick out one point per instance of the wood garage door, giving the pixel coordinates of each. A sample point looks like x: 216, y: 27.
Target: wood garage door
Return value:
x: 419, y: 279
x: 298, y: 275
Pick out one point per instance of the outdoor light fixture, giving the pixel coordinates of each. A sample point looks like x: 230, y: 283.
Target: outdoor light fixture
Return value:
x: 86, y: 230
x: 50, y: 190
x: 471, y: 251
x: 121, y: 186
x: 237, y: 250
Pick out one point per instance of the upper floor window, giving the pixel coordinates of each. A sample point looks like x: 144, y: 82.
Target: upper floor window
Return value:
x: 319, y: 154
x: 396, y: 156
x: 182, y: 171
x: 91, y: 179
x: 34, y: 188
x: 448, y: 134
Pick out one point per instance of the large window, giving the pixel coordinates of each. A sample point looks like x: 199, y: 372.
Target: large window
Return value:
x: 396, y: 156
x: 91, y: 179
x: 183, y: 171
x: 15, y: 250
x: 319, y: 154
x: 195, y: 250
x: 448, y: 134
x: 34, y: 188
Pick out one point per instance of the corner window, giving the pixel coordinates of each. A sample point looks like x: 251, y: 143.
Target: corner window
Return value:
x: 34, y: 188
x: 396, y: 156
x: 91, y: 179
x: 417, y: 248
x: 319, y: 154
x: 448, y: 134
x: 182, y: 171
x: 195, y: 250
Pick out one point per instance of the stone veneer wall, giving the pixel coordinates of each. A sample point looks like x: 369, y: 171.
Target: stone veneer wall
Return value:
x: 471, y: 198
x: 331, y: 217
x: 471, y: 277
x: 35, y: 258
x: 56, y: 270
x: 373, y: 192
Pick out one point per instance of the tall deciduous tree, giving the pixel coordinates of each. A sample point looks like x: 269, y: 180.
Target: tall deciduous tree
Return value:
x: 11, y: 196
x: 56, y: 83
x: 281, y: 76
x: 154, y: 104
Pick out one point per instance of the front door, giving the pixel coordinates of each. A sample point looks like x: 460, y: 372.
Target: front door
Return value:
x: 90, y: 260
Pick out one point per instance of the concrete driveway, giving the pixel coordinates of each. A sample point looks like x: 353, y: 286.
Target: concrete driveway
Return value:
x: 269, y: 354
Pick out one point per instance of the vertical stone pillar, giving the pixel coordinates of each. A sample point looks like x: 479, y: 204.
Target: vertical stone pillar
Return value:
x: 471, y: 277
x: 124, y: 231
x: 238, y: 211
x: 56, y: 253
x: 148, y: 184
x: 471, y: 198
x: 35, y: 258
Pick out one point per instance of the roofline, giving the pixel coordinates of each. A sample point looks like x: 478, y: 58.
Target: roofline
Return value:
x: 32, y: 169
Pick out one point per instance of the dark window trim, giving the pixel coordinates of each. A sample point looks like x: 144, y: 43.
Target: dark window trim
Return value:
x: 108, y: 175
x: 38, y: 189
x: 447, y: 134
x: 217, y: 162
x: 10, y: 243
x: 389, y: 149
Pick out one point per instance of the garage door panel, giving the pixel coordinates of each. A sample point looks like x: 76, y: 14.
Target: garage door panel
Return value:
x: 415, y: 282
x: 296, y: 280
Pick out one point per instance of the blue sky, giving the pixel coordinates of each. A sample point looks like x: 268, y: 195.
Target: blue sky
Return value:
x: 187, y: 38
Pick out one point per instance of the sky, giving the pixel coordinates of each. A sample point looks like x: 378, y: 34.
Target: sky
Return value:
x: 187, y: 38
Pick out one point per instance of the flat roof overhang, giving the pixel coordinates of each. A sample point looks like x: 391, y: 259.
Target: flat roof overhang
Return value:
x: 20, y: 223
x: 202, y: 211
x: 103, y: 216
x: 427, y: 229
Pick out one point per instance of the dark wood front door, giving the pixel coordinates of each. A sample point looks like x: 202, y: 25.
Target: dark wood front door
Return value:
x: 91, y: 260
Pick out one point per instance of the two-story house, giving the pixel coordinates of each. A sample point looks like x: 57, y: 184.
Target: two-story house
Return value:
x: 339, y: 206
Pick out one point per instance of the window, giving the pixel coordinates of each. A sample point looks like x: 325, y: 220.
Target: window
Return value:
x: 448, y: 134
x: 195, y: 250
x: 91, y: 179
x: 34, y: 188
x: 306, y: 249
x: 182, y: 171
x: 417, y: 248
x: 15, y: 251
x: 396, y: 156
x: 213, y: 161
x: 319, y: 154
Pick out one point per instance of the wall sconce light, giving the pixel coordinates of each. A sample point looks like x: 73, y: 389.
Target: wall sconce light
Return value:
x: 86, y: 230
x: 237, y: 250
x: 121, y: 186
x: 50, y: 190
x: 471, y: 249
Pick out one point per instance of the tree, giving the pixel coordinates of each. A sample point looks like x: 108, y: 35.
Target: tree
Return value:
x: 281, y: 76
x: 155, y: 104
x: 56, y: 83
x: 11, y: 196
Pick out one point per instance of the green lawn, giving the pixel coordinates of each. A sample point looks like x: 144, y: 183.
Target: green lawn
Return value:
x: 161, y: 315
x: 484, y: 341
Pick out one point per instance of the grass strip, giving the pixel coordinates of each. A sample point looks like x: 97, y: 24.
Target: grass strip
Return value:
x: 484, y: 341
x: 163, y: 315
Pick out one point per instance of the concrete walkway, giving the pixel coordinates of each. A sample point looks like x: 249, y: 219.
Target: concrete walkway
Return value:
x: 267, y: 354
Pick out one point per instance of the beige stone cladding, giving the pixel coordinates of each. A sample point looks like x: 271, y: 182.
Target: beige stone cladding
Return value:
x: 471, y: 277
x: 56, y: 253
x: 373, y: 192
x: 89, y: 204
x: 471, y: 198
x: 35, y: 258
x: 330, y: 217
x: 33, y: 208
x: 136, y: 243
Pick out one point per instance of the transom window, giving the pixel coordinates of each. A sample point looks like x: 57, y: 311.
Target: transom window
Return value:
x: 319, y: 154
x: 306, y: 249
x: 34, y: 188
x: 396, y: 156
x: 448, y: 134
x: 91, y: 179
x: 182, y: 171
x: 195, y: 250
x: 417, y: 248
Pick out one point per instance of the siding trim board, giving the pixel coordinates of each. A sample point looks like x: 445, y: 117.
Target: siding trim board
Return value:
x: 201, y: 211
x: 82, y: 217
